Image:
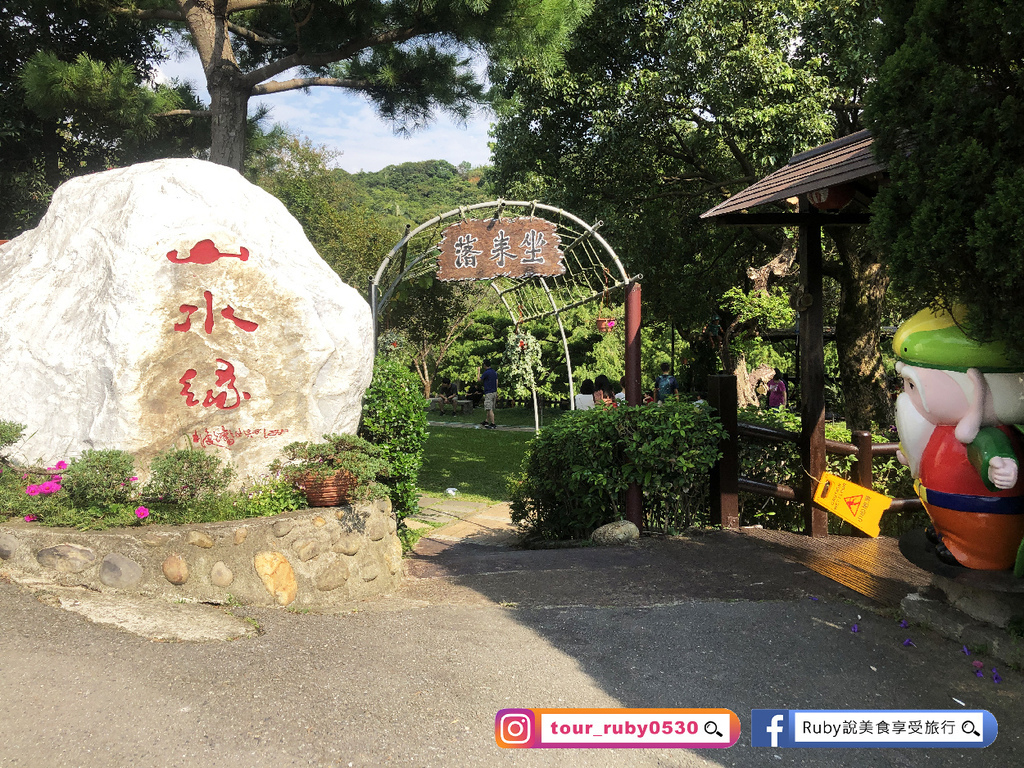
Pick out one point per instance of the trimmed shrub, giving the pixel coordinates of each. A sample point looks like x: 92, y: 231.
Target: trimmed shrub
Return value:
x: 10, y: 433
x: 576, y: 470
x: 395, y: 420
x: 183, y: 475
x: 101, y: 478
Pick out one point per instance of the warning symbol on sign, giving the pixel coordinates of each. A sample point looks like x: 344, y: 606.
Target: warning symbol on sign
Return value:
x: 858, y: 506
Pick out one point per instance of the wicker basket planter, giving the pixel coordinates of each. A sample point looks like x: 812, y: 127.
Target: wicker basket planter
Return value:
x: 328, y: 491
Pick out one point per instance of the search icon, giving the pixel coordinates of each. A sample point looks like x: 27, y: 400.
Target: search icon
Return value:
x: 711, y: 728
x: 968, y: 727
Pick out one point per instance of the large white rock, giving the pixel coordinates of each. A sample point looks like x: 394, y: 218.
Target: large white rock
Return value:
x: 108, y: 341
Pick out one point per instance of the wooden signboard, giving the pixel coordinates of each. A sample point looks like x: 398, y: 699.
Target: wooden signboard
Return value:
x: 478, y: 249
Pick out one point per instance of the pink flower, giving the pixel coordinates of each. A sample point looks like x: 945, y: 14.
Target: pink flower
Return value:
x: 56, y: 487
x: 141, y: 513
x: 56, y: 478
x: 30, y: 518
x: 61, y: 465
x: 32, y: 490
x: 46, y: 488
x: 25, y: 476
x: 133, y: 479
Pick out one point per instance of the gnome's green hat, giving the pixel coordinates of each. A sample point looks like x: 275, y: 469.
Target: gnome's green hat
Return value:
x: 933, y: 339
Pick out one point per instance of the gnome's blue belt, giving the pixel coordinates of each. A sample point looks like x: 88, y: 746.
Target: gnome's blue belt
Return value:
x: 959, y: 502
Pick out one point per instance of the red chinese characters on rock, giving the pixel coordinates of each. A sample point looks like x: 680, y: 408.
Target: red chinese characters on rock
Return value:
x: 227, y: 313
x: 205, y: 252
x: 226, y: 376
x: 225, y: 438
x: 229, y: 396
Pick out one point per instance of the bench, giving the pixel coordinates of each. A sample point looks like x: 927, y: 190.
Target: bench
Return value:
x: 465, y: 406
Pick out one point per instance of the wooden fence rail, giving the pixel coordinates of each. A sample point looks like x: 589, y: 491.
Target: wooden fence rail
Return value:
x: 726, y: 481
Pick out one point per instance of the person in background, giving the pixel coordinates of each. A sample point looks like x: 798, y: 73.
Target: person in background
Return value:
x: 621, y: 394
x: 603, y: 391
x: 489, y: 380
x: 449, y: 395
x: 777, y: 391
x: 665, y: 385
x: 585, y: 399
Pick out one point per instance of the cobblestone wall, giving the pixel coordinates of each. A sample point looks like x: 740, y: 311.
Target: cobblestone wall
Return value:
x: 309, y: 558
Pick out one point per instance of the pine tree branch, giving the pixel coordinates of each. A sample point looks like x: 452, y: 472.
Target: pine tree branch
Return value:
x: 237, y: 6
x: 253, y: 36
x: 277, y: 86
x: 187, y: 112
x: 164, y: 14
x: 329, y: 57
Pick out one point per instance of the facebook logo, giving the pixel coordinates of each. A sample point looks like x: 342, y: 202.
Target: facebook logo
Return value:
x: 768, y: 727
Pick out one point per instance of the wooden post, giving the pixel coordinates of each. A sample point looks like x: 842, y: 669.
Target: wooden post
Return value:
x: 634, y: 497
x: 812, y: 373
x: 725, y: 510
x: 862, y: 471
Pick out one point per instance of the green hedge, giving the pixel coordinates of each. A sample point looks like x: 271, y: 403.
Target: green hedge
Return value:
x: 395, y: 420
x: 577, y: 469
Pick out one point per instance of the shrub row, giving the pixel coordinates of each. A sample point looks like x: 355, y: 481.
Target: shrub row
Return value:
x: 576, y: 471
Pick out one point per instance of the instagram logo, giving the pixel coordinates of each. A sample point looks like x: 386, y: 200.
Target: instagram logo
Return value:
x: 514, y: 728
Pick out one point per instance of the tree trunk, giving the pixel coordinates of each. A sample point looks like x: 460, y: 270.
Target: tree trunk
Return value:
x: 229, y: 90
x: 229, y: 105
x: 863, y: 282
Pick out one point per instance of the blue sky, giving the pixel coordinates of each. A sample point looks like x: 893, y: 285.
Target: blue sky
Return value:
x: 347, y: 123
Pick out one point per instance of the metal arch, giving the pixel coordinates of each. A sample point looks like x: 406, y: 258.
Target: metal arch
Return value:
x: 379, y: 302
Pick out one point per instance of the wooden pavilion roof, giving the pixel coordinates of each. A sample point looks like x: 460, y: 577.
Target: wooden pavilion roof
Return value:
x: 843, y: 160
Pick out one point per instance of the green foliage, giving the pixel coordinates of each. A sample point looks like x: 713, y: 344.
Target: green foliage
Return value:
x: 327, y: 203
x: 394, y: 420
x: 10, y: 433
x: 273, y: 496
x: 577, y: 470
x: 773, y: 462
x: 76, y: 99
x: 946, y: 112
x: 412, y: 193
x: 101, y: 478
x: 521, y: 364
x: 662, y: 111
x: 184, y: 475
x: 755, y: 311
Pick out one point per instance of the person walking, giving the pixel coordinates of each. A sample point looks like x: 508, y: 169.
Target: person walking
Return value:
x: 665, y: 385
x: 777, y: 391
x: 489, y: 380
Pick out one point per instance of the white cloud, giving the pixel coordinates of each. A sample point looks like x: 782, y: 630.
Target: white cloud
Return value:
x: 345, y: 122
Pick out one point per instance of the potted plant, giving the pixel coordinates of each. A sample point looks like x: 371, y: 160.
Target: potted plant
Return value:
x: 333, y: 472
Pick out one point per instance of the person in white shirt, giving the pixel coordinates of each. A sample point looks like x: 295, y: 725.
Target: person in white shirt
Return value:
x: 585, y: 398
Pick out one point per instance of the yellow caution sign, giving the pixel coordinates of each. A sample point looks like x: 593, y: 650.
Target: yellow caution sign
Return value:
x: 857, y: 505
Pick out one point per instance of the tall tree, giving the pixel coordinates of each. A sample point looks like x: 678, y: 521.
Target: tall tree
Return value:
x: 946, y: 112
x: 409, y: 57
x: 667, y: 107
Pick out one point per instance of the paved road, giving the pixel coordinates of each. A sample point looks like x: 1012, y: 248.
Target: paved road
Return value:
x: 415, y: 679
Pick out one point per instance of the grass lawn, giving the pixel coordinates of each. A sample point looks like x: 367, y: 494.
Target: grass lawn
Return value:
x: 503, y: 417
x: 476, y: 461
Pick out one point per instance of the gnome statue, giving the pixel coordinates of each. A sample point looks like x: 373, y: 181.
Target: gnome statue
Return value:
x: 956, y: 418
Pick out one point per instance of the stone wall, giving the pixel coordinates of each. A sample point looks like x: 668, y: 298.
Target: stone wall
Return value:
x: 311, y: 558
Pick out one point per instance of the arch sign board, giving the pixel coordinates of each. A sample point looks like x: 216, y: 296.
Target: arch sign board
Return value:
x: 479, y: 249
